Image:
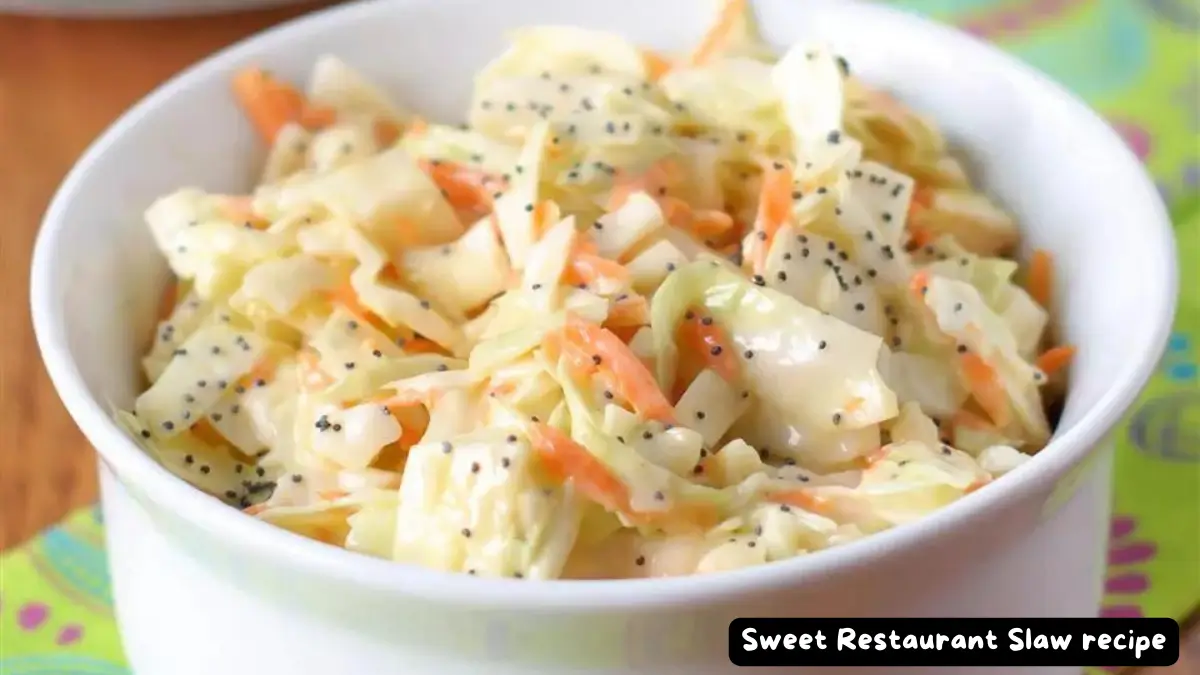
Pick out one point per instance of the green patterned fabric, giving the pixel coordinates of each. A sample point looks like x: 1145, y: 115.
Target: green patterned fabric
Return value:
x: 1136, y: 62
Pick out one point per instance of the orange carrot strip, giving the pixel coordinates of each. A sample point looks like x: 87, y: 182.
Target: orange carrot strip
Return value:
x: 799, y: 498
x: 271, y: 104
x: 386, y: 132
x: 566, y: 459
x: 346, y: 296
x: 541, y: 217
x: 986, y: 387
x: 632, y: 310
x: 317, y: 117
x: 976, y: 484
x: 919, y: 237
x: 719, y: 35
x: 922, y: 197
x: 774, y: 210
x: 170, y: 298
x: 263, y: 371
x: 1055, y: 359
x: 710, y: 223
x: 466, y: 189
x: 710, y: 344
x: 656, y: 64
x: 422, y: 346
x: 207, y: 433
x: 590, y: 268
x: 626, y: 333
x: 919, y: 284
x: 414, y: 421
x: 676, y: 211
x: 1041, y: 277
x: 635, y: 382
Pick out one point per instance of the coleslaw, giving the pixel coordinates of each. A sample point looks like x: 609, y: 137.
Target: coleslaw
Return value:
x: 642, y: 315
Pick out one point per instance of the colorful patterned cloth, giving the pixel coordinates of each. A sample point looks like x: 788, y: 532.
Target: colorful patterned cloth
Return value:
x: 1135, y: 61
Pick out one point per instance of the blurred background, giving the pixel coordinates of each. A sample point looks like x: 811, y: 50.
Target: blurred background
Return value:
x: 68, y: 68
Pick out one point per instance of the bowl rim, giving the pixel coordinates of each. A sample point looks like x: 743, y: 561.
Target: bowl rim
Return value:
x: 282, y: 548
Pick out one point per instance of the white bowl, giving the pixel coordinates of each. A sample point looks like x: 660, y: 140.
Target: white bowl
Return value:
x: 202, y: 589
x: 88, y: 9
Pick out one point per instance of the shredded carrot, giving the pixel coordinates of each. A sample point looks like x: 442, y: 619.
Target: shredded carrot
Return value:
x: 630, y: 311
x: 626, y: 334
x: 392, y: 456
x: 627, y: 374
x: 346, y: 296
x: 466, y: 189
x: 414, y: 420
x: 691, y: 363
x: 331, y: 495
x: 168, y: 301
x: 704, y: 338
x: 271, y: 104
x: 984, y: 384
x: 721, y: 32
x: 207, y: 433
x: 565, y: 459
x: 922, y: 198
x: 774, y: 210
x: 317, y: 117
x: 263, y: 371
x: 1040, y: 282
x: 919, y: 237
x: 709, y: 223
x: 386, y: 132
x: 799, y: 498
x: 1055, y: 359
x: 656, y: 64
x: 390, y: 272
x: 676, y: 211
x: 541, y: 217
x: 976, y: 484
x: 919, y: 284
x: 254, y: 509
x: 589, y: 268
x: 422, y: 346
x: 585, y: 245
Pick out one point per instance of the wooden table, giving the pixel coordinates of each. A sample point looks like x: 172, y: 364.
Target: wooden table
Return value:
x: 61, y: 83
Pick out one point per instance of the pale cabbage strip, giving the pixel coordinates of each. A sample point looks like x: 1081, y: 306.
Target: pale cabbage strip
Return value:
x: 644, y: 315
